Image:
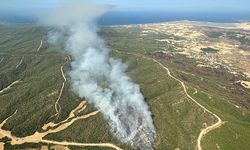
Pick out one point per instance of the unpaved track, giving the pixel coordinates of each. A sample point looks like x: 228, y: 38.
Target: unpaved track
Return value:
x: 51, y: 127
x: 68, y: 58
x: 83, y: 144
x: 195, y: 91
x: 57, y: 106
x: 9, y: 87
x: 1, y: 60
x: 207, y: 129
x: 40, y: 46
x: 20, y: 62
x: 37, y: 137
x: 78, y: 109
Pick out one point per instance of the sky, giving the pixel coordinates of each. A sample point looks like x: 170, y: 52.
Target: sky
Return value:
x: 136, y: 10
x: 28, y: 6
x: 181, y: 5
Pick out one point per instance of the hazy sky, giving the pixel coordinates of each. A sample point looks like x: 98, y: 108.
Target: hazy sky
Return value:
x: 29, y: 6
x: 181, y: 5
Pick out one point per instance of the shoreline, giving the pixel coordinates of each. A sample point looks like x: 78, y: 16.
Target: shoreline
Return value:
x: 193, y: 21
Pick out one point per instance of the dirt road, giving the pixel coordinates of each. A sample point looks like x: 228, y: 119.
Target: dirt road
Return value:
x: 20, y: 62
x: 1, y: 59
x: 37, y: 137
x: 9, y: 87
x: 207, y: 129
x: 40, y: 46
x: 57, y: 106
x: 83, y: 144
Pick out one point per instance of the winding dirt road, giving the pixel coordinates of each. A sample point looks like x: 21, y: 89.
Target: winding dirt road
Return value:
x: 37, y: 137
x: 57, y: 106
x: 209, y: 128
x: 52, y: 127
x: 9, y: 87
x: 203, y: 131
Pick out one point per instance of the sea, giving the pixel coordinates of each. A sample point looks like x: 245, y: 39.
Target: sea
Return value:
x: 141, y: 17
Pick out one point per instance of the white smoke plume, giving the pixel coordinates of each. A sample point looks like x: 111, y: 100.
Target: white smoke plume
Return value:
x: 102, y: 79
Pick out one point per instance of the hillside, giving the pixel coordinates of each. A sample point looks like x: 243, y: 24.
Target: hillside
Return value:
x: 194, y: 76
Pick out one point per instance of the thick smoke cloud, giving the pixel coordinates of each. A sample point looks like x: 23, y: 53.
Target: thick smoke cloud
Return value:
x: 102, y: 79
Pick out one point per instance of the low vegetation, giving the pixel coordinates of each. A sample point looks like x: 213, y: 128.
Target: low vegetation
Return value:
x: 177, y: 119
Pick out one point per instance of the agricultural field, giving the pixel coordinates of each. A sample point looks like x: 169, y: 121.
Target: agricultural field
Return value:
x: 194, y: 76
